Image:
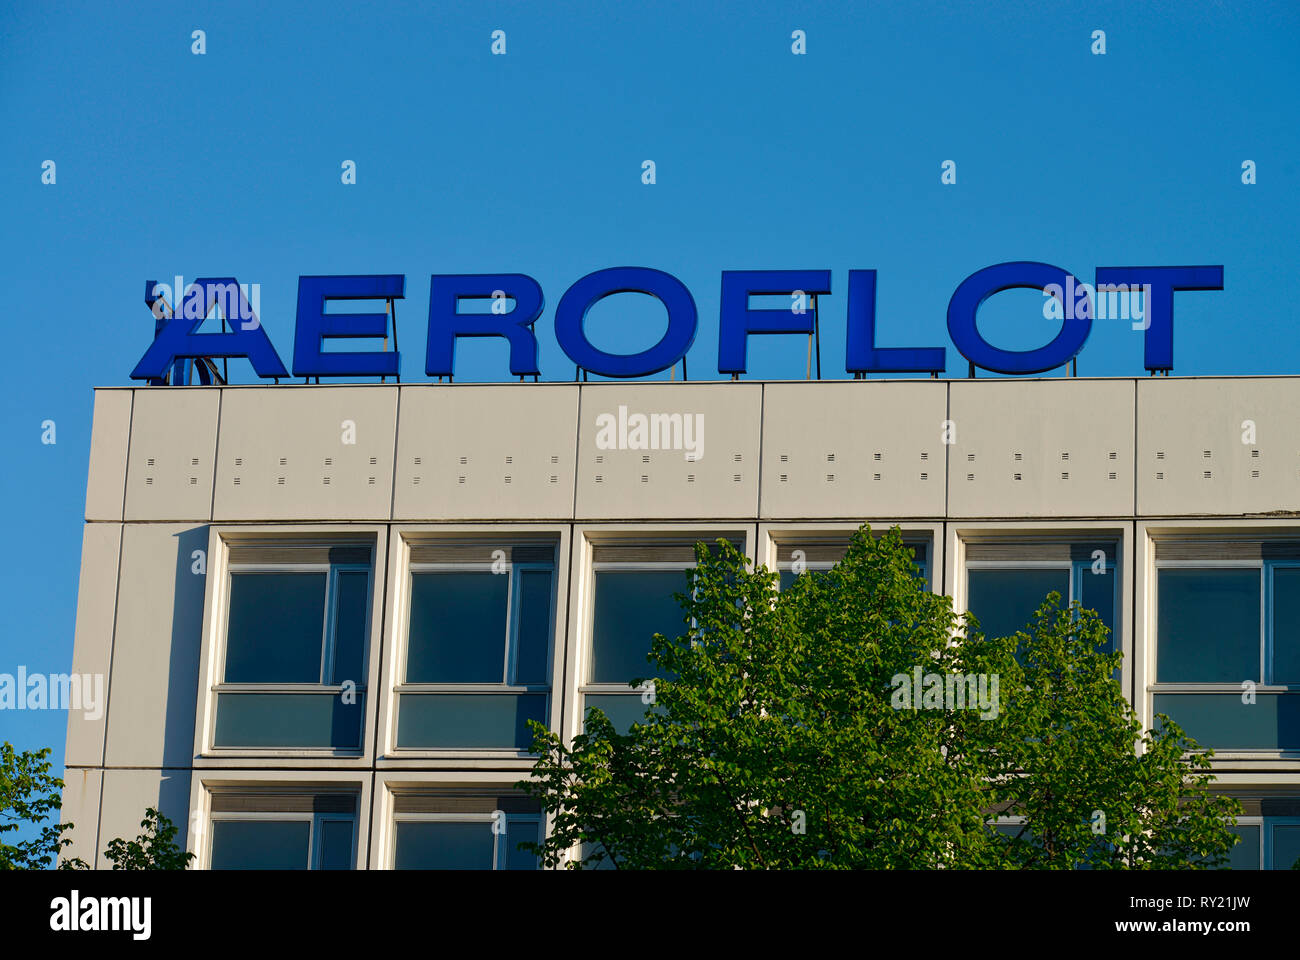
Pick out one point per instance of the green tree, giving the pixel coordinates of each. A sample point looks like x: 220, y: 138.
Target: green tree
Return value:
x: 154, y: 849
x: 30, y: 795
x: 786, y: 733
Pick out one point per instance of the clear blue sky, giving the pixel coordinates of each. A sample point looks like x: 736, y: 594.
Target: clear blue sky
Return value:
x: 229, y: 164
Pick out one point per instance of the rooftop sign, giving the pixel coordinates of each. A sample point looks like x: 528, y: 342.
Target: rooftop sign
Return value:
x: 517, y: 302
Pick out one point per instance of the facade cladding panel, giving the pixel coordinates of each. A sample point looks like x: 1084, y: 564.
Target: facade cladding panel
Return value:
x: 346, y: 725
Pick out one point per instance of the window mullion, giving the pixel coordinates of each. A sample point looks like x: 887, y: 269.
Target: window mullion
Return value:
x: 511, y: 654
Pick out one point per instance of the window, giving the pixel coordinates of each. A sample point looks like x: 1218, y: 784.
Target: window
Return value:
x: 293, y: 670
x: 821, y: 554
x: 1006, y: 582
x: 464, y: 831
x: 289, y: 832
x: 633, y: 589
x: 1228, y: 642
x: 1267, y: 843
x: 480, y: 628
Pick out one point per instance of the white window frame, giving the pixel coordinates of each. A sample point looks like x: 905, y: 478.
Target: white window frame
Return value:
x: 588, y: 686
x: 821, y: 566
x: 500, y: 848
x: 328, y: 653
x: 1266, y: 824
x: 314, y: 833
x: 1077, y: 570
x: 329, y: 625
x: 510, y: 648
x: 1264, y: 681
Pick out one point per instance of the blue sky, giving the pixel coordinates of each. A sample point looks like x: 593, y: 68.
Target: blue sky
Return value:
x: 229, y: 164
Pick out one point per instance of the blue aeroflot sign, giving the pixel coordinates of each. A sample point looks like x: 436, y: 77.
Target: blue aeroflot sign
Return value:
x: 177, y: 340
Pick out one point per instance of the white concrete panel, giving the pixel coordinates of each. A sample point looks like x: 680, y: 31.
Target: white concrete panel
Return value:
x: 81, y: 809
x: 1041, y: 448
x: 153, y: 688
x: 96, y: 603
x: 467, y: 452
x: 129, y: 793
x: 109, y: 440
x: 624, y: 479
x: 173, y: 441
x: 306, y: 453
x: 853, y: 449
x: 1196, y: 454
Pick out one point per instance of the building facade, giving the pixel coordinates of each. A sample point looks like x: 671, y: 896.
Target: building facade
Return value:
x: 325, y: 613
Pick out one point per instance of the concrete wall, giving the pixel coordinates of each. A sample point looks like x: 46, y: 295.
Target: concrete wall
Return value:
x: 171, y: 466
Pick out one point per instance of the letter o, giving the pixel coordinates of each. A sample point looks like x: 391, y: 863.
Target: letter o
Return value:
x: 571, y: 314
x: 981, y: 285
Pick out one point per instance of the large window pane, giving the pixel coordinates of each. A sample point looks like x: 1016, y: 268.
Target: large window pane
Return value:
x: 260, y: 844
x: 443, y: 845
x: 1245, y: 853
x: 336, y: 845
x: 631, y: 607
x: 457, y: 627
x: 1286, y: 845
x: 1097, y: 592
x: 469, y: 720
x: 623, y: 709
x: 1209, y: 625
x: 1005, y: 600
x: 1222, y: 721
x: 531, y: 661
x: 518, y: 831
x: 276, y: 628
x: 1286, y: 624
x: 350, y: 627
x: 288, y: 720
